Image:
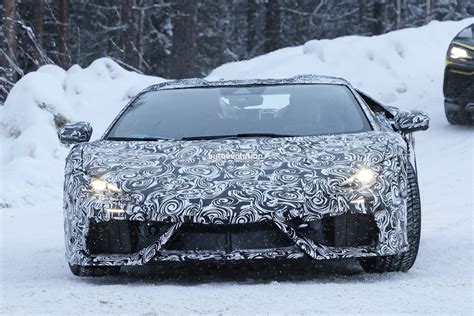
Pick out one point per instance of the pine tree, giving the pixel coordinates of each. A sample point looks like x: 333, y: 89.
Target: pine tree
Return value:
x: 272, y: 26
x: 183, y: 52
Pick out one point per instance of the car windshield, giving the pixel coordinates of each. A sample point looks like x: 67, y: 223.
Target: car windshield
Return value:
x: 273, y: 111
x: 467, y: 33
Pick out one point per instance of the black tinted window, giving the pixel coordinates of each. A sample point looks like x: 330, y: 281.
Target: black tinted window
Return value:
x: 288, y: 110
x: 467, y: 33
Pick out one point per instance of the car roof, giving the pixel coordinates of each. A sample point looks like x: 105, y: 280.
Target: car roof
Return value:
x: 198, y: 83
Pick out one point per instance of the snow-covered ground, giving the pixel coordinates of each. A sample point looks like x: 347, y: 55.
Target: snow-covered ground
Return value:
x: 403, y: 68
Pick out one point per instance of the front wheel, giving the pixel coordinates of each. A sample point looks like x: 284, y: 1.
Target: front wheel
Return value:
x: 454, y: 117
x: 404, y: 261
x: 93, y: 271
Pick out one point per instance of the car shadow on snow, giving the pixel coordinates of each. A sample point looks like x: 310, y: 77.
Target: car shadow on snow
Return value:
x: 257, y: 272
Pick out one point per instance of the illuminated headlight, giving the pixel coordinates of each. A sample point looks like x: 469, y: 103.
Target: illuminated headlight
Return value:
x: 364, y: 178
x: 101, y: 186
x: 458, y: 53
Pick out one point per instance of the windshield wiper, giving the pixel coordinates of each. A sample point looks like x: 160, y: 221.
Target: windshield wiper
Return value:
x: 128, y: 139
x: 241, y: 135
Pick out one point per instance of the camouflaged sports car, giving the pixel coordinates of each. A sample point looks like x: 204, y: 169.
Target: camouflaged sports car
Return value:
x: 305, y: 167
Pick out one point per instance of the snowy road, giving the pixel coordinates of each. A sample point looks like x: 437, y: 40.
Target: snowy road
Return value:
x: 35, y: 277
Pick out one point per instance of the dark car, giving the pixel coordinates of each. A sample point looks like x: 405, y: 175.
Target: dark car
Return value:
x: 305, y: 167
x: 459, y: 78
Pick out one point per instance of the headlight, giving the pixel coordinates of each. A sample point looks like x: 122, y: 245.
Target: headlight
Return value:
x: 101, y: 186
x: 364, y: 178
x: 457, y: 52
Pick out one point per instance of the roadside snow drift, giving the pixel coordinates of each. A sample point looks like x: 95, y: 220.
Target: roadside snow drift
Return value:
x: 402, y: 68
x: 31, y: 160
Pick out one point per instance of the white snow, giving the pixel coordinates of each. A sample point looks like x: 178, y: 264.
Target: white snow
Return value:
x: 403, y: 68
x: 31, y: 159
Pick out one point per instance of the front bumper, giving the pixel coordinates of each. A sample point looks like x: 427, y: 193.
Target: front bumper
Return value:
x: 458, y: 87
x: 459, y: 105
x: 132, y: 243
x: 362, y: 229
x: 286, y: 208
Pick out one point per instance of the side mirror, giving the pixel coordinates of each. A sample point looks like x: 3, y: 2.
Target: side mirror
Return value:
x: 411, y: 121
x: 73, y: 133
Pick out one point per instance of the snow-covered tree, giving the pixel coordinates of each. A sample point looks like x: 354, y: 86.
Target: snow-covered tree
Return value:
x: 182, y: 38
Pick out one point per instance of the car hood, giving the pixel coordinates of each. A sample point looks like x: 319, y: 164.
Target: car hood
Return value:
x: 231, y: 170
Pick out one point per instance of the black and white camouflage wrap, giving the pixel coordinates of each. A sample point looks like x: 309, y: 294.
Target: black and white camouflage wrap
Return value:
x: 72, y: 133
x: 412, y: 120
x: 294, y: 178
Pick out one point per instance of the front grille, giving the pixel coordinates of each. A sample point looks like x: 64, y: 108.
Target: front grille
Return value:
x: 122, y: 237
x: 212, y: 237
x: 125, y: 237
x: 346, y: 230
x: 459, y: 82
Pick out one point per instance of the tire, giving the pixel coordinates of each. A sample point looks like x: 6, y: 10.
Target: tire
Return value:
x: 93, y: 271
x: 456, y: 117
x: 404, y: 261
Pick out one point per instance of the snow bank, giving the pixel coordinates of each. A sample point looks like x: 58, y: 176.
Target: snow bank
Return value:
x: 403, y: 68
x: 397, y: 68
x: 31, y: 159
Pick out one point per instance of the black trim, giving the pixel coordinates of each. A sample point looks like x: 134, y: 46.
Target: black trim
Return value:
x: 227, y: 237
x: 346, y: 230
